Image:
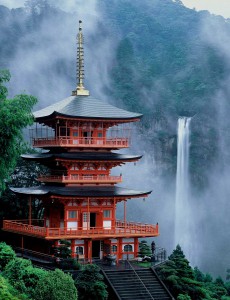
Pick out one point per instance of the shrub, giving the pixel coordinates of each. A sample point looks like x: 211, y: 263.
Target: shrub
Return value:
x: 6, y: 255
x: 55, y: 285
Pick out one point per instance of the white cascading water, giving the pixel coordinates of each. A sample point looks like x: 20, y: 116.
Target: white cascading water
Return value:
x: 183, y: 217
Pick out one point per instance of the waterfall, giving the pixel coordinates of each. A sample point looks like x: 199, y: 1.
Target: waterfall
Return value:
x: 183, y: 217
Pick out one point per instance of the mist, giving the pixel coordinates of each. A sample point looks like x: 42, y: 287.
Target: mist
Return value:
x: 45, y: 61
x: 45, y: 66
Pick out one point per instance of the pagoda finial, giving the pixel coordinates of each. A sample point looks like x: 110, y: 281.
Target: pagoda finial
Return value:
x: 80, y: 90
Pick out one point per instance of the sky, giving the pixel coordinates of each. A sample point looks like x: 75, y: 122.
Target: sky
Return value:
x: 217, y: 7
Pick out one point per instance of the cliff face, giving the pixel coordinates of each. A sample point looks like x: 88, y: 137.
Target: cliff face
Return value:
x: 165, y: 67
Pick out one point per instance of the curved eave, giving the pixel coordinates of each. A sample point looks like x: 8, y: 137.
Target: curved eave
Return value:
x: 46, y: 157
x: 82, y: 192
x: 56, y: 115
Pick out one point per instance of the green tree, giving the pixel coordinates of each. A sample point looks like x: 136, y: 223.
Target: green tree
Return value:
x: 144, y: 249
x: 90, y: 284
x: 183, y: 297
x: 7, y: 292
x: 23, y: 276
x: 15, y: 114
x: 12, y: 205
x: 179, y: 276
x: 55, y: 285
x: 186, y: 283
x: 7, y: 254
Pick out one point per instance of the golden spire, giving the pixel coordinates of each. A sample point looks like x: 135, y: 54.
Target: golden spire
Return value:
x: 80, y: 90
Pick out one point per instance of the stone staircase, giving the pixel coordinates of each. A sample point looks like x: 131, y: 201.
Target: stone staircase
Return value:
x: 136, y: 284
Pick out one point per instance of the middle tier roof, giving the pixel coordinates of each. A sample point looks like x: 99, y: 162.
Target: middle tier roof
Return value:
x: 81, y: 192
x: 82, y: 156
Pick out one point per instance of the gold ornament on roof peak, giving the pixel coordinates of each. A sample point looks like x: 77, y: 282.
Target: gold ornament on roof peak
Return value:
x: 80, y: 90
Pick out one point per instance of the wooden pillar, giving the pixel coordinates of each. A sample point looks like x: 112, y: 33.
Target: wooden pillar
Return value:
x: 114, y: 213
x: 30, y: 209
x: 90, y: 250
x: 65, y: 216
x: 125, y: 213
x: 119, y: 248
x: 136, y: 247
x: 88, y: 216
x: 73, y: 253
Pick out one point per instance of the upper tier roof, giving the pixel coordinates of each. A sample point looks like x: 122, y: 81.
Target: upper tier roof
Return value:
x: 85, y: 107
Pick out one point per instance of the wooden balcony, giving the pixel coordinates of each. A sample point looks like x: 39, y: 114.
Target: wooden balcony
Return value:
x: 112, y: 143
x: 121, y: 229
x: 95, y: 179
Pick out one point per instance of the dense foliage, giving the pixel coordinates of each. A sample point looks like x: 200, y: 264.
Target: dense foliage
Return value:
x: 6, y: 255
x: 7, y: 292
x: 144, y: 249
x: 187, y: 283
x: 23, y: 276
x: 12, y: 205
x: 165, y: 68
x: 90, y: 284
x: 15, y: 114
x: 56, y: 285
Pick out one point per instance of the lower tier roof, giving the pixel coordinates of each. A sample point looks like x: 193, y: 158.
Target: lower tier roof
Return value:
x: 82, y: 192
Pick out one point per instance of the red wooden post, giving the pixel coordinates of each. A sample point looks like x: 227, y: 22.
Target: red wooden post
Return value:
x: 90, y: 250
x: 30, y: 210
x: 125, y: 213
x: 136, y: 246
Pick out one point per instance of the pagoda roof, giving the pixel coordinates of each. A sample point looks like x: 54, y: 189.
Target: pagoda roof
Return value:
x: 85, y: 107
x: 91, y: 156
x: 79, y: 191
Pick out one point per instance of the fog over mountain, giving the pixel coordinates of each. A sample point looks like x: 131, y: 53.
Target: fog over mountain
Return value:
x: 156, y: 57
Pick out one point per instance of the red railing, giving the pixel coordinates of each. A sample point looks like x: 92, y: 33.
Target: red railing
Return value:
x: 121, y: 229
x: 81, y: 142
x: 80, y: 178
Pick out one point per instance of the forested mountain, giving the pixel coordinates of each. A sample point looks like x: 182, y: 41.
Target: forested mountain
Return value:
x: 152, y: 56
x: 162, y: 66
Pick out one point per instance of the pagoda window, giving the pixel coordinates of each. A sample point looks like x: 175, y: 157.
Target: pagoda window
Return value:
x: 88, y: 167
x: 85, y: 217
x: 107, y: 214
x: 114, y: 248
x: 75, y: 134
x: 80, y: 250
x: 64, y: 131
x: 72, y: 225
x: 100, y: 126
x: 100, y: 134
x: 128, y: 248
x: 72, y: 214
x: 74, y: 167
x: 102, y: 168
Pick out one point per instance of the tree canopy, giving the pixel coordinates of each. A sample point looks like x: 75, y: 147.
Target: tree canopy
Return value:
x: 90, y: 284
x: 56, y: 285
x: 15, y: 114
x: 187, y: 283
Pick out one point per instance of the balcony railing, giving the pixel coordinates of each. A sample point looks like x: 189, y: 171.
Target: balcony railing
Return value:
x: 82, y: 142
x: 80, y: 179
x: 121, y: 229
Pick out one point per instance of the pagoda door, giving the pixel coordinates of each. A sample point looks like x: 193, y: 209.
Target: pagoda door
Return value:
x: 87, y: 136
x: 55, y: 217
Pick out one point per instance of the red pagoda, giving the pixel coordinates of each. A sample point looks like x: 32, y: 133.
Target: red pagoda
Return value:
x: 79, y: 193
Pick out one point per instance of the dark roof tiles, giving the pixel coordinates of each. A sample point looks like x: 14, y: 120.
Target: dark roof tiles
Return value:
x: 104, y: 156
x: 108, y: 191
x: 85, y: 107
